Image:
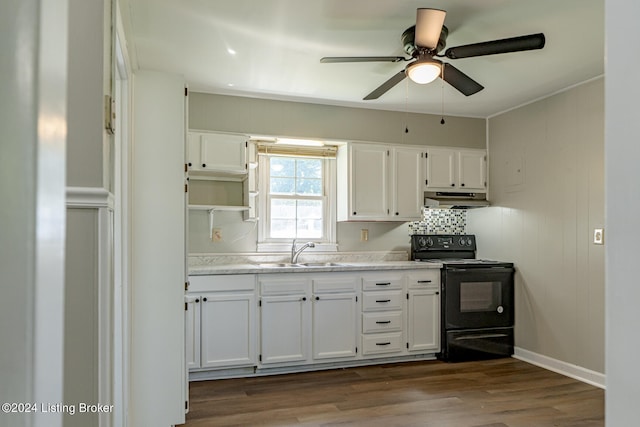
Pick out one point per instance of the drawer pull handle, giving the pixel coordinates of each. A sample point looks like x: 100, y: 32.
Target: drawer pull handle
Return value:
x: 383, y: 343
x: 383, y: 284
x: 424, y: 281
x: 383, y: 300
x: 383, y: 322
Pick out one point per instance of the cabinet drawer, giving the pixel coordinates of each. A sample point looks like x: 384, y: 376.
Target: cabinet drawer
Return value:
x: 334, y: 284
x: 390, y: 321
x: 426, y: 279
x: 382, y: 343
x: 283, y: 287
x: 381, y: 283
x: 386, y: 300
x: 222, y: 282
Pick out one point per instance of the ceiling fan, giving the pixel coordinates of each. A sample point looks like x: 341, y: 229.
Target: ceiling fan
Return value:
x: 424, y: 41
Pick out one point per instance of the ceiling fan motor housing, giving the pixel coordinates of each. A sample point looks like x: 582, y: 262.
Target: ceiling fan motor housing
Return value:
x: 409, y: 36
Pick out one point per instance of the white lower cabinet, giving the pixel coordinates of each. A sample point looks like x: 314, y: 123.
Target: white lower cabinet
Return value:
x: 227, y: 329
x: 221, y: 322
x: 382, y: 314
x: 335, y: 317
x: 423, y: 311
x: 285, y: 319
x: 282, y: 320
x: 192, y: 330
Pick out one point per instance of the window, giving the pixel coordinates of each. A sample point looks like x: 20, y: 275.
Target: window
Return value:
x: 297, y: 201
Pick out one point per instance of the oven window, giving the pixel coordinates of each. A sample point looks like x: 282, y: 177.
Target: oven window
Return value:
x: 480, y: 296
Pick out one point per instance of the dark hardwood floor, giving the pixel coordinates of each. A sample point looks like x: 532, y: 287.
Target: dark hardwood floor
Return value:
x: 495, y: 393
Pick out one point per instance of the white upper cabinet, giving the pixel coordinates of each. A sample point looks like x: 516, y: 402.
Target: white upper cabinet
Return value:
x: 379, y: 182
x: 457, y: 170
x: 408, y: 174
x: 472, y: 169
x: 216, y: 153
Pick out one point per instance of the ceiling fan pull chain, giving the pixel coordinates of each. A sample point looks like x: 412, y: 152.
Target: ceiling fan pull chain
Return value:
x: 406, y: 103
x: 442, y: 92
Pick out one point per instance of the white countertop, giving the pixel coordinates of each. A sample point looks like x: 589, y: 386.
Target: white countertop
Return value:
x: 344, y: 266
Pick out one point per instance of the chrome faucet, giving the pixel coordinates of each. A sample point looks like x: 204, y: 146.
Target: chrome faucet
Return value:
x: 295, y: 253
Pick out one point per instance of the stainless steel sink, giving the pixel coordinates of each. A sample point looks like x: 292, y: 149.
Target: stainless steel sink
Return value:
x: 303, y: 264
x: 321, y: 264
x: 278, y: 265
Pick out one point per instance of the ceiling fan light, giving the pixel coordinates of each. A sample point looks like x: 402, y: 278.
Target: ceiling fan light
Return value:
x: 423, y: 72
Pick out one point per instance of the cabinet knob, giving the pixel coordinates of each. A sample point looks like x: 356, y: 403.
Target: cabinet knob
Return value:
x: 354, y: 213
x: 204, y: 299
x: 304, y: 298
x: 197, y: 299
x: 189, y: 164
x: 317, y: 298
x: 397, y: 213
x: 461, y: 185
x: 453, y: 185
x: 204, y: 165
x: 437, y: 293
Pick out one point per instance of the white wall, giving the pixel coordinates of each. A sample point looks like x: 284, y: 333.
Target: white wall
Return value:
x: 622, y: 157
x: 546, y: 172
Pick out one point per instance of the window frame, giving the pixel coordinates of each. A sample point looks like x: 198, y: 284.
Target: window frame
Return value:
x: 266, y: 243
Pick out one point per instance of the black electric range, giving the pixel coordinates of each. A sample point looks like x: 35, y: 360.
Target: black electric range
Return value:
x: 477, y: 302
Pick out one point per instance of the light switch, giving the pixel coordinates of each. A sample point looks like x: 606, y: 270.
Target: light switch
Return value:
x: 598, y: 236
x: 216, y: 235
x: 364, y: 234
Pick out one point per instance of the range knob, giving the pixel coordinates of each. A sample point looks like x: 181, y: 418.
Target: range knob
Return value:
x: 429, y: 242
x: 462, y: 241
x: 422, y: 242
x: 469, y: 241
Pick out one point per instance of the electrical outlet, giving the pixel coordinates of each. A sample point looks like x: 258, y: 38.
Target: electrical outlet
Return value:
x: 364, y: 234
x: 216, y: 235
x: 598, y: 236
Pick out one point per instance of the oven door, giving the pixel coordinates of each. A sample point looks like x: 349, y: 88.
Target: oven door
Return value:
x: 478, y: 297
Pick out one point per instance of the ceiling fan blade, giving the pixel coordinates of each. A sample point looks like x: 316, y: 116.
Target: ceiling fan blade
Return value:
x: 428, y: 27
x: 384, y: 87
x: 336, y: 59
x: 514, y: 44
x: 459, y: 80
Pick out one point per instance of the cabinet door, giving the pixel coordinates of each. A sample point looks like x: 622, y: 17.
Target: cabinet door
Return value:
x: 423, y: 314
x: 369, y: 182
x: 228, y: 330
x: 408, y: 183
x: 193, y: 151
x: 334, y: 326
x: 441, y: 168
x: 284, y: 329
x: 471, y: 170
x: 192, y: 331
x: 222, y: 153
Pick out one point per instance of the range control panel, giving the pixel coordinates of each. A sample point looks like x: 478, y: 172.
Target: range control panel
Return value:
x: 435, y: 242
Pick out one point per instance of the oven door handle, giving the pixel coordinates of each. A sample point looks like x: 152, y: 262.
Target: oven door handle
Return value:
x: 483, y: 270
x: 481, y: 336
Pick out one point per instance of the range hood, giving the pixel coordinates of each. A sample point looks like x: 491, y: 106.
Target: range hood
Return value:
x: 451, y: 200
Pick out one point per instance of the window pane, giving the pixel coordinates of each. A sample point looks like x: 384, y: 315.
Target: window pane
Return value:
x: 283, y: 209
x: 282, y: 185
x: 283, y: 166
x: 309, y: 186
x: 309, y: 209
x: 283, y: 229
x: 310, y: 229
x: 309, y: 168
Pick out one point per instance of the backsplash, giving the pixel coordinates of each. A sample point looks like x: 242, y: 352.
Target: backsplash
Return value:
x: 440, y: 221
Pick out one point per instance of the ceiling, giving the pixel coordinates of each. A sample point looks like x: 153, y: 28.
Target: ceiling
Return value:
x: 272, y: 49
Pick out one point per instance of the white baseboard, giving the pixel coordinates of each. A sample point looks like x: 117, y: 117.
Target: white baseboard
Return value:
x: 573, y: 371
